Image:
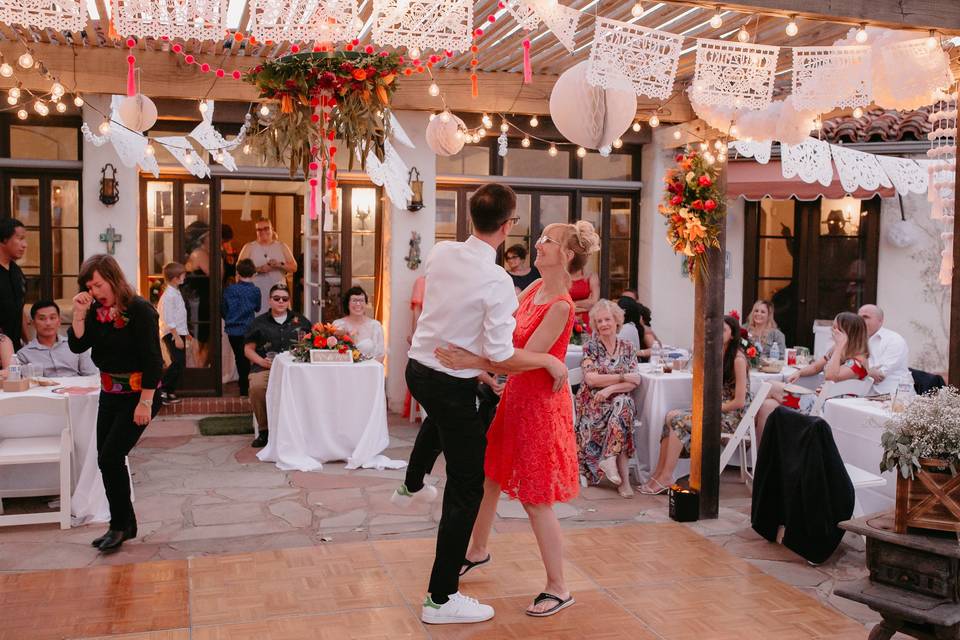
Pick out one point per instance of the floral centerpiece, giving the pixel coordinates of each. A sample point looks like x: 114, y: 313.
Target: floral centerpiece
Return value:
x: 323, y: 96
x: 752, y: 352
x: 325, y: 337
x: 580, y: 332
x: 694, y: 209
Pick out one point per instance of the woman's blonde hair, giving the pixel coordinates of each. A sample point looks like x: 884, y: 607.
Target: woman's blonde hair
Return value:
x: 605, y: 305
x: 771, y: 322
x: 580, y: 238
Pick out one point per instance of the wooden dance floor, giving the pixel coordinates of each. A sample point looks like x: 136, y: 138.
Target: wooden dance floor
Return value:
x: 632, y: 582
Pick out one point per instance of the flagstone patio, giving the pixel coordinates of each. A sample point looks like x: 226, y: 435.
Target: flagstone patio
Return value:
x: 204, y: 496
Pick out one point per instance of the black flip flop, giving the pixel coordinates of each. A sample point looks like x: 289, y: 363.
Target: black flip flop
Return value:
x: 561, y: 605
x: 467, y: 565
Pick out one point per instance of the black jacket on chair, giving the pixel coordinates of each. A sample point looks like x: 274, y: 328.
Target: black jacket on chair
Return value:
x: 923, y: 381
x: 801, y: 483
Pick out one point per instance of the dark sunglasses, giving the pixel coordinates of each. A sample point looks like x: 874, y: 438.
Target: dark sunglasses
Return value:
x: 280, y: 298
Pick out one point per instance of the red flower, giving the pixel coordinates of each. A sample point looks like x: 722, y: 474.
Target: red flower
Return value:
x: 734, y: 314
x: 710, y: 205
x: 675, y: 200
x: 751, y: 351
x: 327, y: 80
x: 103, y: 315
x: 743, y: 332
x: 679, y: 158
x: 704, y: 181
x: 318, y: 341
x: 676, y: 218
x: 699, y: 248
x: 697, y: 204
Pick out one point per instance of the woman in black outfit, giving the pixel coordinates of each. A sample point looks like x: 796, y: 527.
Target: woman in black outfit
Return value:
x: 122, y: 329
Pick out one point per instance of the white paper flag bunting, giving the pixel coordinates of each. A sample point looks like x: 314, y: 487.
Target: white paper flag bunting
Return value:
x: 857, y: 169
x: 398, y: 133
x: 391, y: 174
x: 734, y: 74
x: 178, y: 146
x: 60, y: 15
x: 175, y: 19
x: 523, y: 12
x: 304, y: 20
x: 828, y: 77
x: 426, y: 24
x: 810, y: 160
x: 759, y: 151
x: 906, y: 175
x: 211, y: 139
x: 561, y: 20
x: 629, y: 57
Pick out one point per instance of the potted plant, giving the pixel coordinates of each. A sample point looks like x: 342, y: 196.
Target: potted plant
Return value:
x: 922, y: 443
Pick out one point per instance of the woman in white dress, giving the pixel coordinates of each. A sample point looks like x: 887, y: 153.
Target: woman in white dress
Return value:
x: 272, y: 258
x: 367, y: 333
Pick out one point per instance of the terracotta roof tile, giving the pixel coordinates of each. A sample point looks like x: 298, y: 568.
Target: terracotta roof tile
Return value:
x: 879, y: 125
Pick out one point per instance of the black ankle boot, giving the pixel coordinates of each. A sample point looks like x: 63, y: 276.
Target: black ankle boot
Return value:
x: 96, y: 541
x: 113, y: 540
x: 261, y: 440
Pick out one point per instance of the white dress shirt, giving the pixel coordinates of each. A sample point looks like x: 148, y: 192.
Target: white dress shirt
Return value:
x: 368, y: 340
x: 57, y: 361
x: 173, y: 313
x: 630, y: 333
x: 890, y: 354
x: 469, y: 302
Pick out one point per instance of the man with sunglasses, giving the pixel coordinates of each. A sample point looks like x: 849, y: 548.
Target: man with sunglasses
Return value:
x: 469, y: 302
x: 269, y: 334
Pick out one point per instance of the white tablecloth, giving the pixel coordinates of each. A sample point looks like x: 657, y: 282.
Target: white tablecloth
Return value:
x: 574, y: 356
x: 89, y: 502
x: 857, y: 425
x: 324, y: 412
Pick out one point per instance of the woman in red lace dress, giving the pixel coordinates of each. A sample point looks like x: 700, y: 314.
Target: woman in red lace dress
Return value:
x: 531, y: 447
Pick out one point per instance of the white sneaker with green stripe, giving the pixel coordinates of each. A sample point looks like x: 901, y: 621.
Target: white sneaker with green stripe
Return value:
x: 403, y: 497
x: 459, y: 609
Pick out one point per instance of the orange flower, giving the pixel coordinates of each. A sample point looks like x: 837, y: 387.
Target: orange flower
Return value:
x: 286, y: 104
x: 382, y: 95
x: 695, y: 229
x: 360, y: 74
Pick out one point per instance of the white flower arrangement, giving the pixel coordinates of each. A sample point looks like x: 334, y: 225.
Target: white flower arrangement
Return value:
x: 928, y: 428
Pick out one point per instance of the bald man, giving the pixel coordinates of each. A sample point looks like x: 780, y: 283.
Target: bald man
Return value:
x: 889, y: 354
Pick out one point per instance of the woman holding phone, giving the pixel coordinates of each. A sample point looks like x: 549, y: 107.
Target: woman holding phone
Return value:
x: 122, y: 331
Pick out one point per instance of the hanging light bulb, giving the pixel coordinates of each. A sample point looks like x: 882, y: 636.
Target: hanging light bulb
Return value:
x: 581, y: 152
x: 717, y: 20
x: 637, y: 10
x: 57, y: 90
x: 203, y: 106
x: 792, y: 29
x: 104, y: 128
x: 932, y: 40
x: 61, y: 107
x: 861, y: 36
x: 22, y: 114
x: 413, y: 52
x: 743, y: 35
x: 636, y: 127
x: 533, y: 121
x: 553, y: 151
x: 487, y: 122
x: 26, y: 60
x: 77, y: 101
x: 618, y: 143
x: 14, y: 92
x: 445, y: 116
x: 504, y: 127
x: 434, y: 89
x: 40, y: 107
x: 525, y: 142
x: 458, y: 135
x: 246, y: 149
x: 6, y: 70
x: 476, y: 138
x: 676, y: 134
x: 734, y: 132
x: 264, y: 111
x: 858, y: 112
x: 481, y: 132
x: 149, y: 151
x: 654, y: 121
x: 11, y: 100
x: 703, y: 146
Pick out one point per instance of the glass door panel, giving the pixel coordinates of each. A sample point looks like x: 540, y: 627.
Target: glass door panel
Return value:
x: 65, y: 232
x: 591, y: 210
x: 332, y: 261
x: 520, y: 234
x: 25, y: 207
x: 621, y: 227
x: 159, y: 232
x: 196, y: 256
x: 446, y: 226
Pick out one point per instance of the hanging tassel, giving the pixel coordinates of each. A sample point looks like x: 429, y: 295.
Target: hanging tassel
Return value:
x: 474, y: 87
x: 313, y: 198
x: 527, y: 68
x: 131, y: 76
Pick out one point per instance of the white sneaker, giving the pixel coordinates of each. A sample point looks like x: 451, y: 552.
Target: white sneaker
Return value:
x: 403, y: 497
x: 459, y: 609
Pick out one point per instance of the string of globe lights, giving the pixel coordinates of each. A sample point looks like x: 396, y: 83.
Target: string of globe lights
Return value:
x: 19, y: 97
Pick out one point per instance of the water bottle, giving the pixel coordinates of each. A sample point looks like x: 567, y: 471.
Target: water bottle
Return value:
x: 775, y: 351
x: 656, y: 354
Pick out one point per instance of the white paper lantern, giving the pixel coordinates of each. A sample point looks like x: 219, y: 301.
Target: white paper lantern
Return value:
x: 903, y: 234
x: 442, y: 134
x: 138, y: 112
x: 587, y: 115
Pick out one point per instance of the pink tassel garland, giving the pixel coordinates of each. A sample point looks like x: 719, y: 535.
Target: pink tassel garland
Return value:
x: 527, y: 68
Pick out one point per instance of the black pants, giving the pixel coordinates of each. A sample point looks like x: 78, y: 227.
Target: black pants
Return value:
x: 117, y: 434
x: 178, y: 362
x: 455, y: 428
x: 243, y: 365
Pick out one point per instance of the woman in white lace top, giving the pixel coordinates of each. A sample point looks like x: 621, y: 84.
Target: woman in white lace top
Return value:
x: 366, y: 332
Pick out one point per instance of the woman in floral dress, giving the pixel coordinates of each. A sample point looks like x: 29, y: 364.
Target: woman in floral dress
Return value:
x: 605, y: 408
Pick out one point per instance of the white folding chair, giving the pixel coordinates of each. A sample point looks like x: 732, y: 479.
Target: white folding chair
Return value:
x: 862, y: 479
x: 746, y: 434
x: 829, y: 390
x: 39, y: 450
x: 574, y: 377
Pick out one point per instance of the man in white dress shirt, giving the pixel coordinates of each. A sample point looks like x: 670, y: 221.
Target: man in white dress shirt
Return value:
x: 469, y: 303
x: 889, y: 354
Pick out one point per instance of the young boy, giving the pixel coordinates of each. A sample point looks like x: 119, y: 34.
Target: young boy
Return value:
x: 173, y: 329
x: 241, y: 302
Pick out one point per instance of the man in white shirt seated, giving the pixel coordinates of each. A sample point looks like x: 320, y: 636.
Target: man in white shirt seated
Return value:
x: 889, y: 354
x: 49, y: 349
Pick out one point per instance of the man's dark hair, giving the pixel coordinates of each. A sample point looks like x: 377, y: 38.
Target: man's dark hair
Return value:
x: 246, y: 268
x: 42, y: 304
x: 8, y: 226
x: 490, y: 206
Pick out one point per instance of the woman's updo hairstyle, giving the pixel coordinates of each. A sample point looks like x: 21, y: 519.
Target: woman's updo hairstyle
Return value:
x: 580, y: 238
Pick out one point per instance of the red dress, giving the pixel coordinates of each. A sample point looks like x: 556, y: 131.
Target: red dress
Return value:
x: 580, y: 290
x: 531, y: 446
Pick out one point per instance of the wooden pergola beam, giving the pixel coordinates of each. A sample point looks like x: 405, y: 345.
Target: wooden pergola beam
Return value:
x: 943, y: 17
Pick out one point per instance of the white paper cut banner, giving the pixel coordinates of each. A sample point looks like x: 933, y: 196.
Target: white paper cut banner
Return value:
x: 734, y: 74
x: 828, y: 77
x: 629, y: 57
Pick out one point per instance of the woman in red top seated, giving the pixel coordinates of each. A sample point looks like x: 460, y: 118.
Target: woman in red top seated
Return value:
x: 847, y: 360
x: 585, y: 291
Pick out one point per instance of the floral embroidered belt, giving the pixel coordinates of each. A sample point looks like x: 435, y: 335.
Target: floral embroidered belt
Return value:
x: 121, y: 382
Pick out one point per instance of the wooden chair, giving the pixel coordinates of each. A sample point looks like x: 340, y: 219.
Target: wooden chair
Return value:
x: 829, y: 390
x: 40, y: 450
x: 745, y: 434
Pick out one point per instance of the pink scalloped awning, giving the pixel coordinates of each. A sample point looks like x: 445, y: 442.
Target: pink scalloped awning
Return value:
x: 755, y: 181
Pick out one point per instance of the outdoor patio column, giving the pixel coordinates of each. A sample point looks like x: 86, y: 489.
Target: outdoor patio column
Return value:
x: 954, y: 361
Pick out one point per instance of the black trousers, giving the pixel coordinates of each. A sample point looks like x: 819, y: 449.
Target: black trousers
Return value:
x: 454, y: 427
x: 243, y: 365
x: 178, y: 362
x: 117, y: 434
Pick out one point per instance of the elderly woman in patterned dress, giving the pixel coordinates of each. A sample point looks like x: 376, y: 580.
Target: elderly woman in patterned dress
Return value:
x: 605, y: 408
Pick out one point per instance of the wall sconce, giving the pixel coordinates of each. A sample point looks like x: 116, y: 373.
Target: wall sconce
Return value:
x: 109, y: 187
x: 416, y: 186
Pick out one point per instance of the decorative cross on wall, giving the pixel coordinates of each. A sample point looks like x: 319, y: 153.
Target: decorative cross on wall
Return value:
x: 111, y: 237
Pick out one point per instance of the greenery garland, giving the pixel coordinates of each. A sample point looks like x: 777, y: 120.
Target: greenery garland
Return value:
x: 322, y: 97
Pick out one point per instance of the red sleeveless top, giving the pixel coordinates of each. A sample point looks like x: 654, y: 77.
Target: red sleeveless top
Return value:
x: 580, y: 290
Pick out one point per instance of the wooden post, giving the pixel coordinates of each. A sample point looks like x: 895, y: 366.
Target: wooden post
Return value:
x: 708, y: 374
x: 954, y: 349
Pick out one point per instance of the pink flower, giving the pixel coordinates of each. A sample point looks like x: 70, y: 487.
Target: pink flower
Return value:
x: 675, y: 200
x: 331, y: 342
x: 709, y: 205
x: 705, y: 181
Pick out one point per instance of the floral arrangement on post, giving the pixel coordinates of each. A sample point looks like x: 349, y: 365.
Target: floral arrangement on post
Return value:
x: 694, y: 209
x: 327, y: 337
x: 929, y: 428
x: 323, y: 96
x: 580, y: 332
